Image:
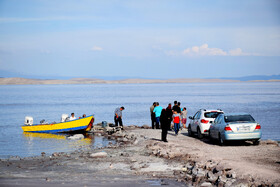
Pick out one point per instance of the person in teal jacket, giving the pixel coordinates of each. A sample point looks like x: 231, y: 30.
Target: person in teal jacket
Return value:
x: 157, y: 111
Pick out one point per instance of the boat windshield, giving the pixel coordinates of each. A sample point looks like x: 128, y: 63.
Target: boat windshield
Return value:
x: 239, y: 118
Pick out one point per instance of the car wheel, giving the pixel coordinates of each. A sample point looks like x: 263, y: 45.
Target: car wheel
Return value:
x: 256, y: 142
x: 199, y: 135
x: 209, y: 136
x: 221, y: 141
x: 190, y: 131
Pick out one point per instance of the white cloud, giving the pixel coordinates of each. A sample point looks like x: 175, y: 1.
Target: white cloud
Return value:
x: 204, y: 50
x: 96, y: 48
x: 235, y: 52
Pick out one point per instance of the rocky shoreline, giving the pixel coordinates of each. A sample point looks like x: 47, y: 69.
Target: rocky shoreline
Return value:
x: 139, y: 156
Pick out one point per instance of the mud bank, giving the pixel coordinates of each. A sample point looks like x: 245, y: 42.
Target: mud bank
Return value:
x: 140, y: 159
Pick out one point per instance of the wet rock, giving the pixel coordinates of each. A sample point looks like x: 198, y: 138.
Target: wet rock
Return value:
x: 228, y: 183
x: 222, y: 179
x: 206, y: 184
x: 99, y: 155
x: 188, y: 177
x: 233, y: 175
x: 125, y: 140
x: 211, y: 177
x: 184, y: 169
x: 194, y: 170
x: 197, y: 180
x: 217, y: 169
x: 201, y: 172
x: 76, y: 137
x: 189, y: 166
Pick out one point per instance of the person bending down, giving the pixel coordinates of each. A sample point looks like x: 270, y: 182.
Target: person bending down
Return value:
x: 118, y: 117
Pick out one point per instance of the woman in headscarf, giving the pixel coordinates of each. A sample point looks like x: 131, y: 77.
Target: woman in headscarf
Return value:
x: 169, y: 114
x: 164, y: 125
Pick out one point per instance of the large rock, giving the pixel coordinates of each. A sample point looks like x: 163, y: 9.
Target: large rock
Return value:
x: 211, y: 177
x: 99, y: 155
x: 206, y: 184
x: 76, y: 137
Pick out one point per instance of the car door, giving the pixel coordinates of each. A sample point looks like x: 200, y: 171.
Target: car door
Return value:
x: 192, y: 121
x: 216, y: 126
x: 196, y: 121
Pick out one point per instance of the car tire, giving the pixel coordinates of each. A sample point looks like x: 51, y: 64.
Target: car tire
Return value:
x: 190, y: 131
x: 256, y: 142
x: 199, y: 135
x: 221, y: 141
x: 209, y: 135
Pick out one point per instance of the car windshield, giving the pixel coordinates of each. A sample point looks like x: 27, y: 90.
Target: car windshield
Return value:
x: 237, y: 118
x: 211, y: 114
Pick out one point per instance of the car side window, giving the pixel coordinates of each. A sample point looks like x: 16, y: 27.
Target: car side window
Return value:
x: 216, y: 120
x: 220, y: 119
x: 199, y: 114
x: 195, y: 116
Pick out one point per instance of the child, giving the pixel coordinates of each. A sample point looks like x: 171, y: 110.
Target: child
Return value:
x: 176, y: 121
x: 184, y: 117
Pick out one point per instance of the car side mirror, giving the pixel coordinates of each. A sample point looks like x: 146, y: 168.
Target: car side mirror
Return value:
x: 190, y: 117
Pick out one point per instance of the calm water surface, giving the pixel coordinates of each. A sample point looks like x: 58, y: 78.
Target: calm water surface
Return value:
x: 261, y: 100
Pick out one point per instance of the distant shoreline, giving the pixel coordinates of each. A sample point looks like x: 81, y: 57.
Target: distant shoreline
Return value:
x: 24, y: 81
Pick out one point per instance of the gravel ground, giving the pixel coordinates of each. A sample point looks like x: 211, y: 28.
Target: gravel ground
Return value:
x: 141, y: 159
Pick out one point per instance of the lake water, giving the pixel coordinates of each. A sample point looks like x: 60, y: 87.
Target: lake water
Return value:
x: 49, y: 102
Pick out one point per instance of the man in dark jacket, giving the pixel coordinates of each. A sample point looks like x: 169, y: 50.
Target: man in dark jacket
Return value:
x: 164, y: 125
x: 169, y: 114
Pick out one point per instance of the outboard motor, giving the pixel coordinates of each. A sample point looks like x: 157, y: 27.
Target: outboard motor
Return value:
x: 64, y: 117
x: 28, y: 120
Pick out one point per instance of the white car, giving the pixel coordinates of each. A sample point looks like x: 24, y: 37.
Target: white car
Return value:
x: 201, y: 121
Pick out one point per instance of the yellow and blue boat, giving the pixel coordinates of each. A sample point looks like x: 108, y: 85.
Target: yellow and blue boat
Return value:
x: 74, y: 126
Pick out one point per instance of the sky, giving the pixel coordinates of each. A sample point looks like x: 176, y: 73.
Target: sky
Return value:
x: 159, y: 39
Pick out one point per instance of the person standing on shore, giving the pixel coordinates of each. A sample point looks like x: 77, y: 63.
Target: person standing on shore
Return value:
x: 169, y: 114
x: 164, y: 124
x: 176, y: 121
x: 176, y: 107
x: 118, y: 117
x: 184, y: 117
x: 153, y: 117
x: 157, y: 111
x: 179, y: 108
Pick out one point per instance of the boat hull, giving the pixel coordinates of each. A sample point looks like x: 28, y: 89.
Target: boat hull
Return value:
x: 78, y: 125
